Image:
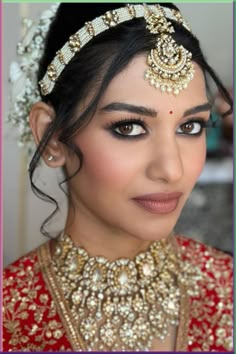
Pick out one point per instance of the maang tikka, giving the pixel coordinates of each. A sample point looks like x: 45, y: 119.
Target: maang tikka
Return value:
x: 169, y: 65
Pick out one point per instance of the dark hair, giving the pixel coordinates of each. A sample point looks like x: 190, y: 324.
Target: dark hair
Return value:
x: 93, y: 68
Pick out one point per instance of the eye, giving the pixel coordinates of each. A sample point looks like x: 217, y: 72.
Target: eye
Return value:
x: 192, y: 127
x: 126, y: 128
x: 130, y: 129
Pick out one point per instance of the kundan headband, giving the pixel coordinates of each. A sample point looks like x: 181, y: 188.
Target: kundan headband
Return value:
x: 170, y: 67
x: 169, y: 64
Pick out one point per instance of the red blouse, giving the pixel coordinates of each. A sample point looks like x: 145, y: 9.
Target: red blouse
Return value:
x: 36, y: 316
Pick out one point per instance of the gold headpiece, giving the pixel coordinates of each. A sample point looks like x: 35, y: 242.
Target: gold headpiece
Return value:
x: 170, y: 67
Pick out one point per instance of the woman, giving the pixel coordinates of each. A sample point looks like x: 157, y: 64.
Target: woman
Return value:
x: 124, y: 103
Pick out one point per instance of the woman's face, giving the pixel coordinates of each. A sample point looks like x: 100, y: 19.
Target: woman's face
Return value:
x: 143, y: 152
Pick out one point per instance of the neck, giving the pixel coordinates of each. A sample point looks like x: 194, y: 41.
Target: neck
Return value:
x: 103, y: 240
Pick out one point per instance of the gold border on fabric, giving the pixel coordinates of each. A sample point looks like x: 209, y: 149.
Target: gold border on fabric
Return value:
x: 182, y: 333
x: 181, y: 343
x: 45, y: 262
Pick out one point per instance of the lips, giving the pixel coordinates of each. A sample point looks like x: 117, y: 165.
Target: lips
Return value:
x: 159, y: 203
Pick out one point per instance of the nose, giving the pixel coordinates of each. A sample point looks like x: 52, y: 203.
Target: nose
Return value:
x: 165, y: 161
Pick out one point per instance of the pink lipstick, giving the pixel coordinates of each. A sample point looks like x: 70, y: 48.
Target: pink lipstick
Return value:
x: 159, y: 203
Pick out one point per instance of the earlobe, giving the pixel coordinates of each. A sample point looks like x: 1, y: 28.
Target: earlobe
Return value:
x: 41, y: 116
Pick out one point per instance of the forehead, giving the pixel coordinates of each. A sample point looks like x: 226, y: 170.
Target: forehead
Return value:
x: 131, y: 87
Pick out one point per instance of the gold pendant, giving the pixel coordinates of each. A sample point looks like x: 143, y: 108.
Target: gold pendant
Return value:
x: 170, y: 67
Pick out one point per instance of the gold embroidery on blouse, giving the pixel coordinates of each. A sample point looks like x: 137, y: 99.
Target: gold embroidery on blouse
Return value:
x: 21, y: 301
x: 214, y: 327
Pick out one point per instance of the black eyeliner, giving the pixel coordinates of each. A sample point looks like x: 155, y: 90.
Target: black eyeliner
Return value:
x: 203, y: 123
x: 126, y: 121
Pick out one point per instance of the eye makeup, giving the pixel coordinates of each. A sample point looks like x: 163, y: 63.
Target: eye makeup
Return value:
x: 115, y: 128
x: 136, y: 128
x: 194, y: 126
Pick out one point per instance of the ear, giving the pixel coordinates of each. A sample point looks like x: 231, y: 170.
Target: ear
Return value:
x: 41, y: 115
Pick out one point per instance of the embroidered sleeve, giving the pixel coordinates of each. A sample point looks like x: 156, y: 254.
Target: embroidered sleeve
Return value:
x: 30, y: 320
x: 211, y: 321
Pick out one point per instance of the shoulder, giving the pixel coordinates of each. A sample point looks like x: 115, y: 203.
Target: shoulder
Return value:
x: 25, y: 273
x: 23, y: 278
x: 27, y: 305
x: 21, y: 266
x: 211, y: 307
x: 215, y: 268
x: 206, y: 257
x: 25, y: 269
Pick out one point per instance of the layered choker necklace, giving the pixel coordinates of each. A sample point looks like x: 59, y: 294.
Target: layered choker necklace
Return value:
x: 123, y: 304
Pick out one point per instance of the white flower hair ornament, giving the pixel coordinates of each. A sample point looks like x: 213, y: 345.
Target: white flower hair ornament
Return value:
x: 23, y: 76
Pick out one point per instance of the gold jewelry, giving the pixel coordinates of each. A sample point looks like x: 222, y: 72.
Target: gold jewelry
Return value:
x: 50, y: 158
x: 124, y: 304
x: 170, y: 66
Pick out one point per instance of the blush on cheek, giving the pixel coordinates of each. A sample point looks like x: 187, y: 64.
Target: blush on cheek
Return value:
x: 198, y: 161
x: 106, y: 165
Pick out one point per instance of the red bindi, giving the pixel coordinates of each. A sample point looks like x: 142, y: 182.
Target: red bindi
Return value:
x: 171, y: 112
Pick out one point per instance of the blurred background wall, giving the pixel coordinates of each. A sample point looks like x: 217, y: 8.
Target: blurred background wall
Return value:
x: 208, y: 214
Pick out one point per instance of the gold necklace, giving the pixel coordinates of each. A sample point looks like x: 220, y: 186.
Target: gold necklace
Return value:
x: 124, y: 304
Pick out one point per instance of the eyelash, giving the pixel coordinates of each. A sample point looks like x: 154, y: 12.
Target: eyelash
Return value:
x: 122, y: 123
x: 138, y: 121
x: 203, y: 124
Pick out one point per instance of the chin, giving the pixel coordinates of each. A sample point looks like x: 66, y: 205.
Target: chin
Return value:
x: 154, y: 234
x: 156, y: 229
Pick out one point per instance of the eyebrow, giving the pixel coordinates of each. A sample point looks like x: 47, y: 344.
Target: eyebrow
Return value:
x: 126, y: 107
x: 197, y: 109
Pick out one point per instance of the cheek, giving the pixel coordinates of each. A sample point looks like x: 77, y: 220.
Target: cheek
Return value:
x: 194, y: 161
x: 106, y: 162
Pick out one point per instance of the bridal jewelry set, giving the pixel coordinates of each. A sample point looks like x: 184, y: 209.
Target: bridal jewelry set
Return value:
x: 122, y: 304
